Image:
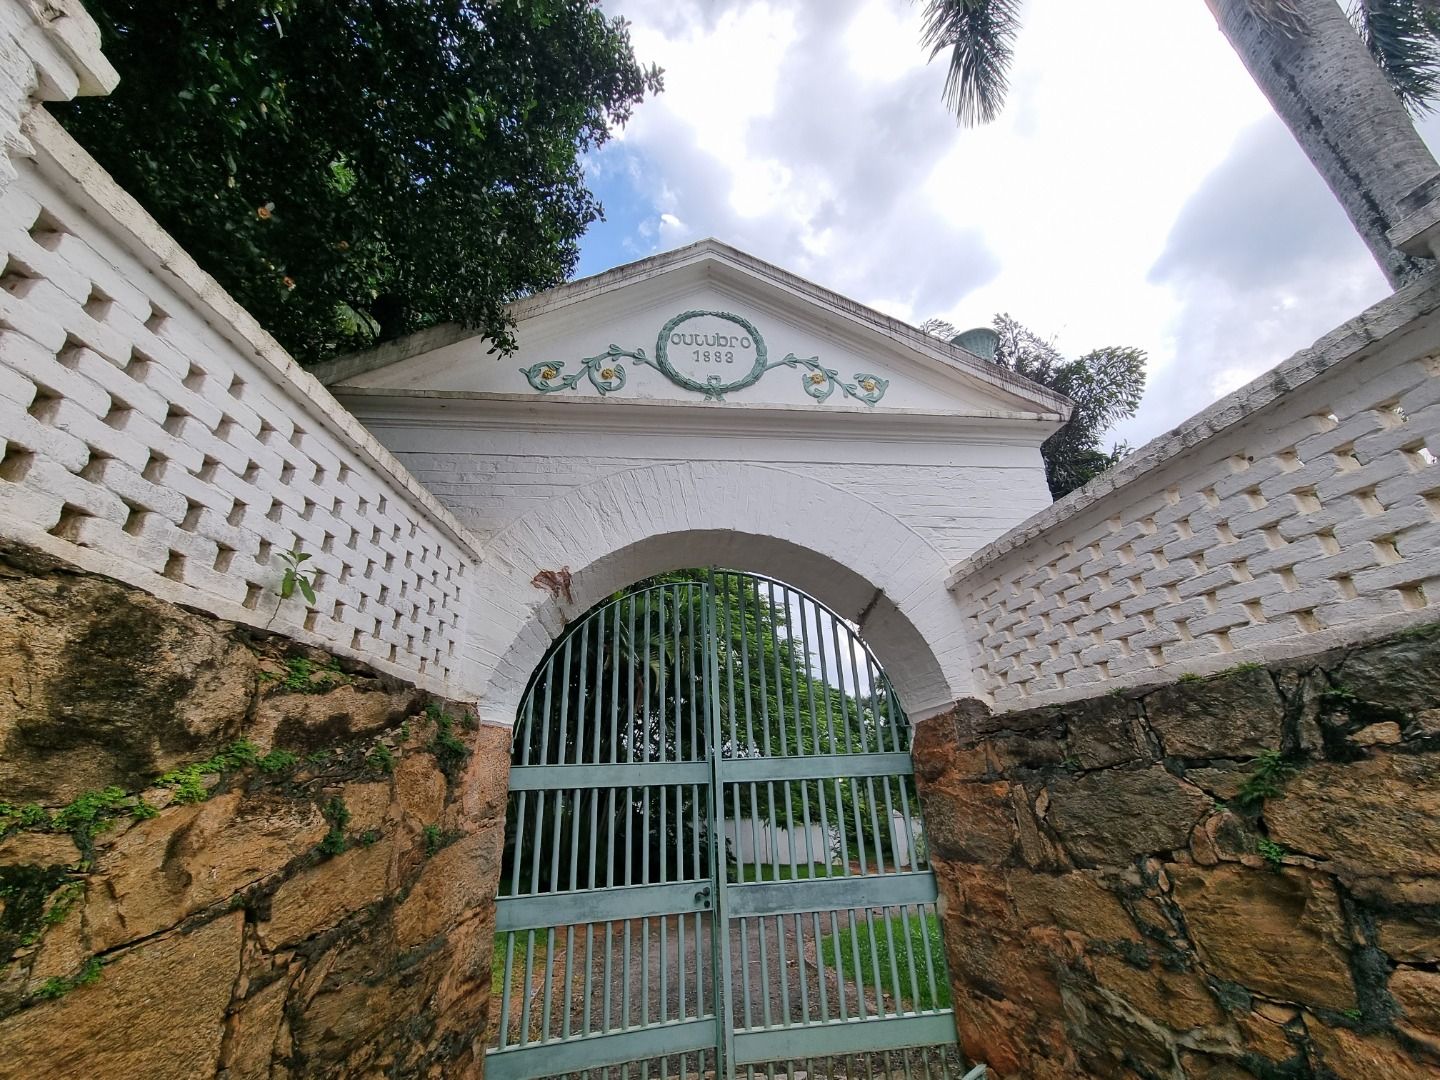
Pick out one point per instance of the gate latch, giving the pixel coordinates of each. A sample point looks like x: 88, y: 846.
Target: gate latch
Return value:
x: 703, y: 898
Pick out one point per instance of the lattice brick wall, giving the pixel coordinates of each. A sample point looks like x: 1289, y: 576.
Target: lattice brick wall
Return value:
x: 141, y: 438
x: 1316, y: 513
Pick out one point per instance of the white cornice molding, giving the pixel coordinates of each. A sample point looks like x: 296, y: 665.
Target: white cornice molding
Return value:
x: 727, y: 419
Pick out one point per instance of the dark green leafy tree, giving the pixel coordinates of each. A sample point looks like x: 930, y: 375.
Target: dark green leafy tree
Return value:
x: 352, y: 170
x: 1105, y: 385
x: 630, y: 685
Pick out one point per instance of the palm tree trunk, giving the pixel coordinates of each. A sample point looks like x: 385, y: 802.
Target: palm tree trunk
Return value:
x: 1323, y: 83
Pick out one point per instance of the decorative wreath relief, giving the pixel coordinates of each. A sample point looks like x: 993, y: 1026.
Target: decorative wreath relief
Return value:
x: 716, y: 353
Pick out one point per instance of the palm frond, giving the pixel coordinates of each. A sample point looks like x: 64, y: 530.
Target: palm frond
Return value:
x: 980, y: 37
x: 1403, y: 37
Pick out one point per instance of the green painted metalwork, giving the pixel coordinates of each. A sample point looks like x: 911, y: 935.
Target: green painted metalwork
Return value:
x: 548, y: 777
x: 713, y: 865
x: 592, y: 905
x: 843, y: 1037
x: 832, y: 894
x: 607, y: 374
x: 714, y: 387
x: 830, y: 766
x: 590, y: 1052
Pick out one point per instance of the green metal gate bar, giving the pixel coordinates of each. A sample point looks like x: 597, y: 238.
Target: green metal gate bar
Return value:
x: 714, y: 864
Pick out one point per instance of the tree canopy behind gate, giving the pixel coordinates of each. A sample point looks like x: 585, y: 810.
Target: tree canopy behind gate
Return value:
x: 772, y: 701
x: 357, y: 169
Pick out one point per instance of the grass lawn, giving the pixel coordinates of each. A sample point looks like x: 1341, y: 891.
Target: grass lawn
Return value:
x: 497, y: 970
x: 766, y: 872
x: 910, y: 956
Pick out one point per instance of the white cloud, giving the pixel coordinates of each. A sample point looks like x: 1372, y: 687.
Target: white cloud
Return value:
x: 1136, y: 190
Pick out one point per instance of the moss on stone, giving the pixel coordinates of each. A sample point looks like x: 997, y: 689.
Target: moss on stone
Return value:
x: 24, y: 894
x: 58, y: 986
x: 449, y: 749
x: 338, y: 815
x: 302, y: 675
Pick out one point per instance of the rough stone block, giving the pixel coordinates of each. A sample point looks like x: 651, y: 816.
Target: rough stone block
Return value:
x: 162, y: 870
x: 1347, y: 1053
x: 105, y: 685
x: 1109, y: 818
x: 1413, y: 938
x: 1177, y: 999
x: 320, y: 897
x: 1077, y: 902
x: 970, y: 822
x: 1401, y: 673
x: 1104, y: 731
x: 1379, y: 816
x: 458, y: 879
x: 1228, y: 716
x: 1417, y: 992
x: 1276, y: 932
x: 157, y: 1011
x: 315, y: 721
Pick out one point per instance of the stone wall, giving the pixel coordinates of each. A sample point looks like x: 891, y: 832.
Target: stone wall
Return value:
x: 1229, y: 877
x: 223, y: 854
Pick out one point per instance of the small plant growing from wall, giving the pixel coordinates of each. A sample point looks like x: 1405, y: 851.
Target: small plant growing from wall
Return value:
x: 1271, y: 852
x: 297, y: 576
x: 1266, y: 780
x: 449, y: 749
x: 338, y: 815
x: 381, y: 759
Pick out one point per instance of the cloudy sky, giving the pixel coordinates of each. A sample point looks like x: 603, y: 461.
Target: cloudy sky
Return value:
x: 1137, y: 190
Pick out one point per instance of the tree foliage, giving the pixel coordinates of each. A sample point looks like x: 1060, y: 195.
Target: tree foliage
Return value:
x: 980, y: 37
x: 357, y: 169
x: 1105, y: 384
x: 1403, y: 37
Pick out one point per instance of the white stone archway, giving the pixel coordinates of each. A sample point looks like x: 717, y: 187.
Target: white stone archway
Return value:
x: 702, y: 408
x: 833, y: 544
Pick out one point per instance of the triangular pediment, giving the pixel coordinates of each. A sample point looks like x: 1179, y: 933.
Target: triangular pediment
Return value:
x: 704, y: 325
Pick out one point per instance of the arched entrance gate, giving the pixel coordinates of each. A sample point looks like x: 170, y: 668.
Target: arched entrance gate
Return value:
x: 714, y: 861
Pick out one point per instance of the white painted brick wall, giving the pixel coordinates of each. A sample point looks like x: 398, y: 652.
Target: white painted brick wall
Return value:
x: 956, y: 509
x: 1301, y: 512
x: 150, y: 430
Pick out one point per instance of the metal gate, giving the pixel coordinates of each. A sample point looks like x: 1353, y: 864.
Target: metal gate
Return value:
x: 713, y: 859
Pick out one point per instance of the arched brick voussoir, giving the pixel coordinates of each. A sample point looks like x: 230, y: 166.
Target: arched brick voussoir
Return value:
x: 831, y: 542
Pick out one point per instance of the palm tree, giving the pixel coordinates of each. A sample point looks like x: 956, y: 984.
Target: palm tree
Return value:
x: 1342, y: 85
